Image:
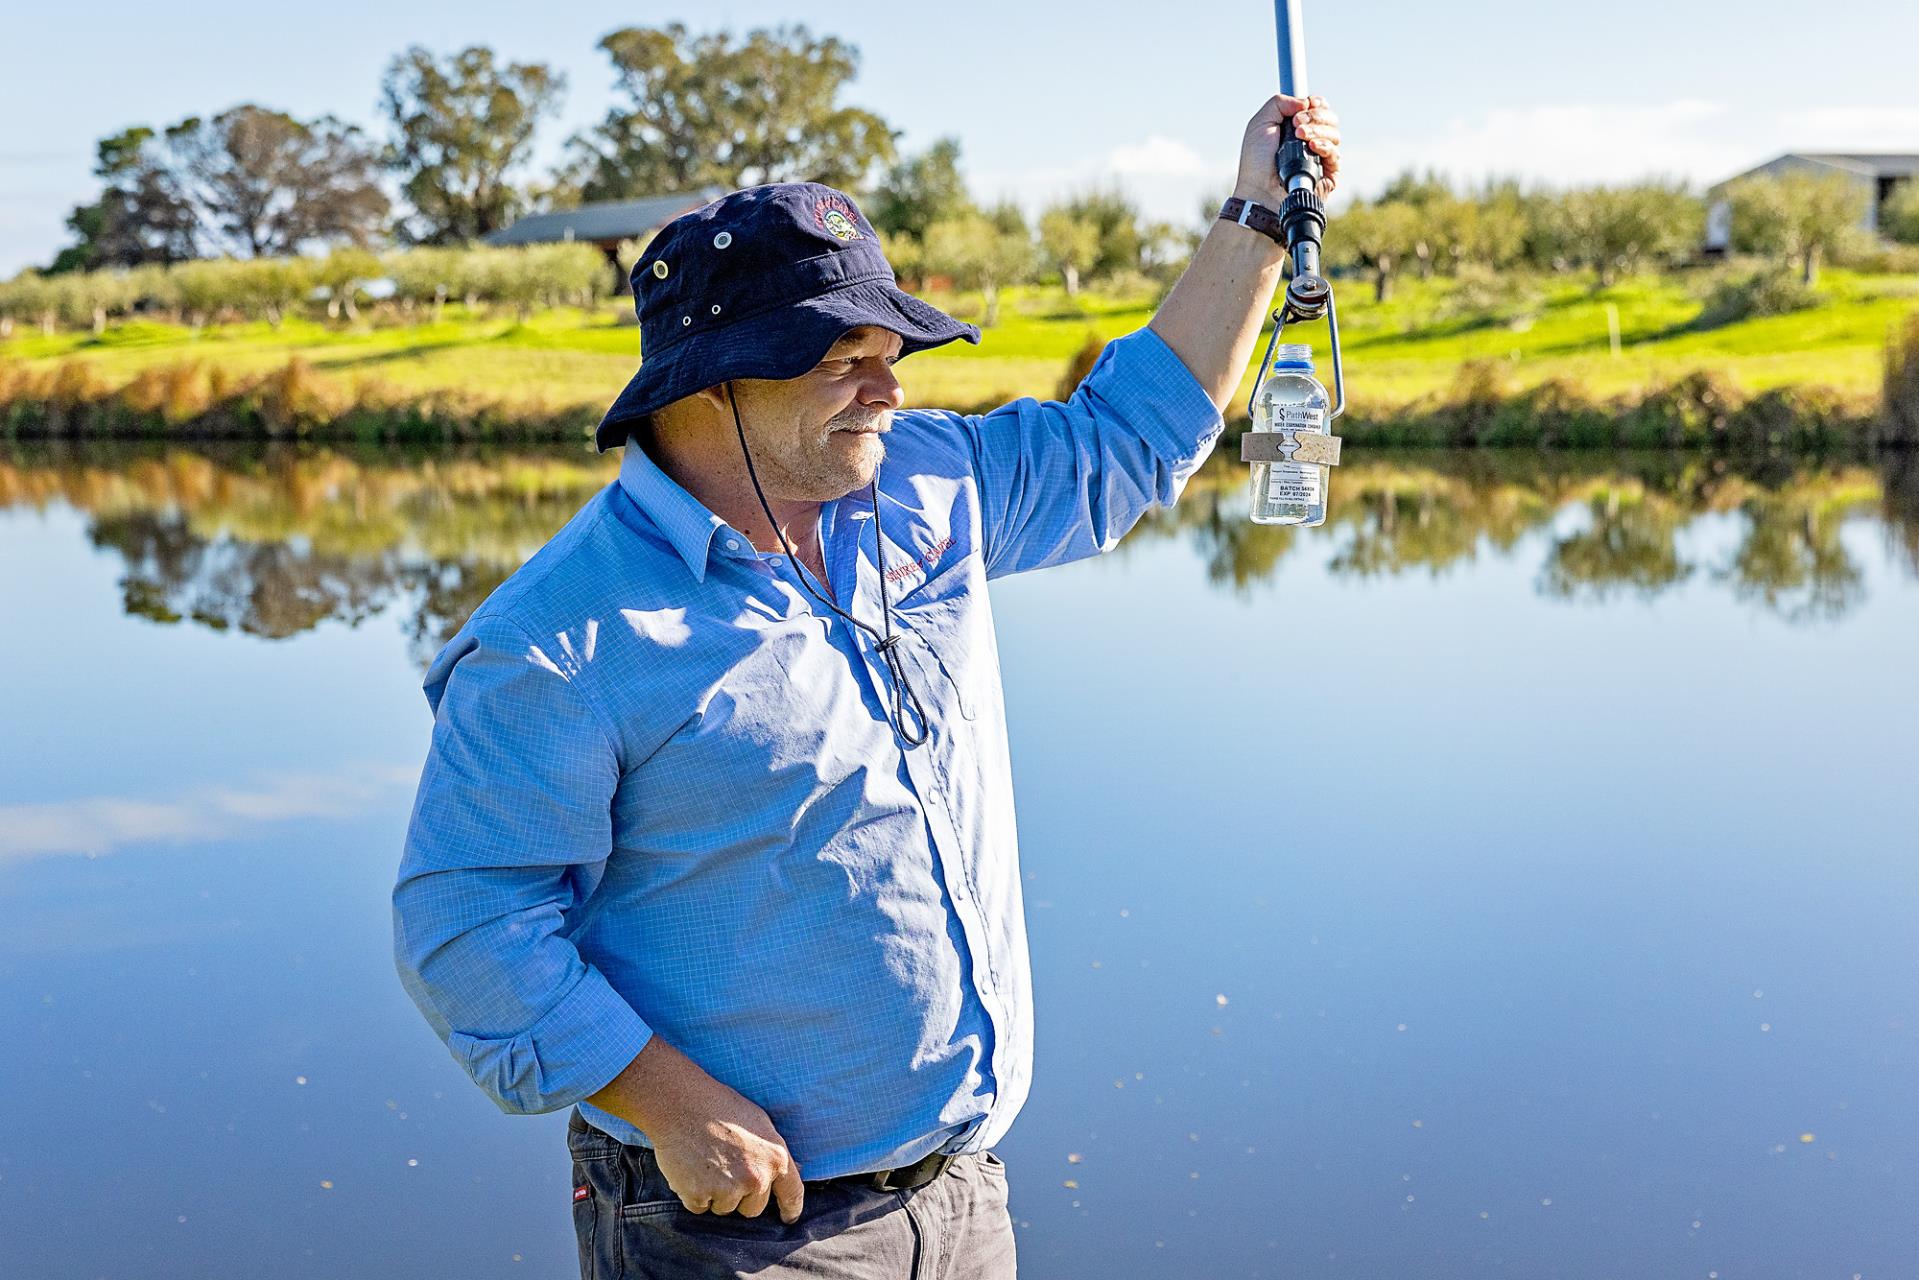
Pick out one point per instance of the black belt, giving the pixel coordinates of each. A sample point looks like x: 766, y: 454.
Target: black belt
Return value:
x: 904, y: 1178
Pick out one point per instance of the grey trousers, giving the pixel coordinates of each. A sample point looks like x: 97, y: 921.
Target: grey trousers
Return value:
x: 631, y: 1226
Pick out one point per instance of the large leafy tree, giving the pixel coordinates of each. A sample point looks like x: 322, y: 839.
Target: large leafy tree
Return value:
x: 709, y: 109
x: 1500, y: 223
x: 919, y: 190
x: 250, y: 181
x: 461, y: 127
x: 267, y: 184
x: 141, y: 216
x: 1423, y: 193
x: 1116, y: 219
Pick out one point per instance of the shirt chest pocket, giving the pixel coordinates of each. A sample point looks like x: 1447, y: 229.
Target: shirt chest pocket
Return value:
x: 942, y: 642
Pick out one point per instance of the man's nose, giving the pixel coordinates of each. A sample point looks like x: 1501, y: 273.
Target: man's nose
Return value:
x: 881, y: 388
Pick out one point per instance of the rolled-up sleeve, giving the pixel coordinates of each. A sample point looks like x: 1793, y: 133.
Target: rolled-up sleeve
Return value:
x: 510, y: 830
x: 1062, y: 481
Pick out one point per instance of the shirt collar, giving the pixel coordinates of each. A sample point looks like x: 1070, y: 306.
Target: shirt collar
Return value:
x: 683, y: 518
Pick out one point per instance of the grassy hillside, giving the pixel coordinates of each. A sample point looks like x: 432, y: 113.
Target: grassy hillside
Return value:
x: 1521, y: 331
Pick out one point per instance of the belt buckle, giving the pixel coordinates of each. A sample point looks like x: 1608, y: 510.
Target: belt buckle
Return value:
x: 917, y: 1174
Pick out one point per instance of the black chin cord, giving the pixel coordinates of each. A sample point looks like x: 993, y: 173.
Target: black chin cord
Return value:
x: 888, y: 643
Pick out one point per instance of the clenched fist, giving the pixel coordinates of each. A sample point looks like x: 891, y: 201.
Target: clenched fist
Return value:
x: 734, y: 1162
x: 716, y: 1147
x: 1317, y: 126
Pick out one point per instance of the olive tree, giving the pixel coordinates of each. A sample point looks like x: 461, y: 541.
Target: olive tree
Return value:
x: 1376, y: 237
x: 981, y: 251
x: 1071, y: 243
x: 1795, y: 216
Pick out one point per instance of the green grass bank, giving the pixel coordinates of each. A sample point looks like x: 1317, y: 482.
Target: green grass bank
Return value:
x: 1471, y: 360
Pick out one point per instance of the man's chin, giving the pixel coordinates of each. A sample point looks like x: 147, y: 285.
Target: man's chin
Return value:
x: 861, y: 454
x: 852, y: 463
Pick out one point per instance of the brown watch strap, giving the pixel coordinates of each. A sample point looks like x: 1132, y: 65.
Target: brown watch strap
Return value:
x: 1248, y: 213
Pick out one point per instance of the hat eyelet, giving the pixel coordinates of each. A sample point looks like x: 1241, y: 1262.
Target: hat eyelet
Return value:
x: 716, y: 308
x: 723, y: 239
x: 660, y: 268
x: 685, y: 320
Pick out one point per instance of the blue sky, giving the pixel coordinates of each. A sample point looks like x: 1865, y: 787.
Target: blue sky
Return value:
x: 1048, y: 97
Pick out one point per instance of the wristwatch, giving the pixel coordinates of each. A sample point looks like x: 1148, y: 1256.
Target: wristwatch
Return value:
x: 1247, y: 213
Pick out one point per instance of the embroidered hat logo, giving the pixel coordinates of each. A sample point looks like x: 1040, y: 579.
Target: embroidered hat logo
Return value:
x: 832, y: 214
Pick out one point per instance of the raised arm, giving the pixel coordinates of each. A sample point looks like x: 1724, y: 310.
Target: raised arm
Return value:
x: 1213, y: 316
x: 1059, y: 481
x: 1063, y: 480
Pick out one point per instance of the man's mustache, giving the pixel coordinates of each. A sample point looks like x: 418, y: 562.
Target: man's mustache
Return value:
x: 882, y: 420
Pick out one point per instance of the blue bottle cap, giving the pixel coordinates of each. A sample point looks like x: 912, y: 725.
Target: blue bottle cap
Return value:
x: 1293, y: 355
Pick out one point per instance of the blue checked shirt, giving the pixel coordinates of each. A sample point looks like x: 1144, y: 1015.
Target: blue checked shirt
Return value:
x: 663, y: 793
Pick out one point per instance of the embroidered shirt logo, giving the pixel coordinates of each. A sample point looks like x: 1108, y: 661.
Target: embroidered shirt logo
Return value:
x: 925, y: 563
x: 836, y: 217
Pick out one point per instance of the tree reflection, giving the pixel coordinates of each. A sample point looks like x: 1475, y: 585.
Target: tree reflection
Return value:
x: 1236, y: 550
x: 1629, y: 545
x: 449, y: 592
x: 271, y: 589
x: 273, y: 542
x: 1395, y: 530
x: 1792, y: 561
x: 1899, y: 504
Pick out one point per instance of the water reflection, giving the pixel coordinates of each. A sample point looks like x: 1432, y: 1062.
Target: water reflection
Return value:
x: 95, y: 825
x: 271, y: 542
x: 1628, y: 546
x: 1607, y: 525
x: 1550, y: 975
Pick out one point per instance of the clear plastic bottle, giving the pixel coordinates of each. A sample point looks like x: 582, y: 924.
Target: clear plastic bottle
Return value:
x: 1290, y: 492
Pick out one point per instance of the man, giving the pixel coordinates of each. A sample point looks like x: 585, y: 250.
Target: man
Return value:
x: 715, y: 842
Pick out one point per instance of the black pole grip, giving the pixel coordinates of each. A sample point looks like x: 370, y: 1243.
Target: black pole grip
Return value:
x: 1295, y: 157
x: 1303, y: 216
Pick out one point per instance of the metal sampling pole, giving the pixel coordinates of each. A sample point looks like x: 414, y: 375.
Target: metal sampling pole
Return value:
x: 1303, y: 216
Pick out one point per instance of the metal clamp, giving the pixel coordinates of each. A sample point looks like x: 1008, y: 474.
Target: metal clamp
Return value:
x: 1290, y: 444
x: 1307, y: 298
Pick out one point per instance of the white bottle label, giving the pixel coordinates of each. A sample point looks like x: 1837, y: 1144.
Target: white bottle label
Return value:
x: 1293, y: 482
x: 1296, y: 482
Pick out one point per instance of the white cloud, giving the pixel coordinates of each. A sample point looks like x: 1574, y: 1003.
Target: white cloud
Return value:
x: 1165, y: 176
x: 1567, y: 143
x: 1555, y: 144
x: 95, y: 825
x: 1157, y: 156
x: 1563, y: 144
x: 1858, y: 129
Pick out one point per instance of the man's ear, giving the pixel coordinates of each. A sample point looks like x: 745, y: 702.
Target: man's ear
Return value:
x: 715, y: 397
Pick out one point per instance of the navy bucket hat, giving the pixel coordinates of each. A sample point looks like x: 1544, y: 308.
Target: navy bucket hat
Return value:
x: 760, y: 284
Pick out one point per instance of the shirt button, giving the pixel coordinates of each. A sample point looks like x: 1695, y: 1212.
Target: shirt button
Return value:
x: 732, y: 544
x: 777, y: 562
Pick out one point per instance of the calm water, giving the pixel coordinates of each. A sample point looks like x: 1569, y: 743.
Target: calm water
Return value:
x: 1515, y: 877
